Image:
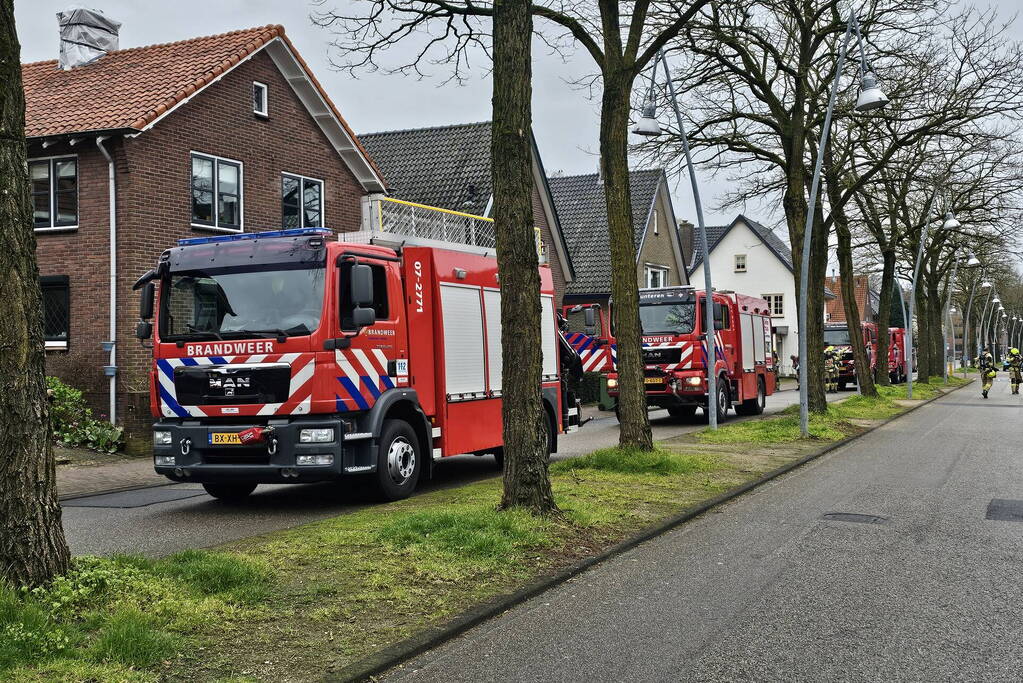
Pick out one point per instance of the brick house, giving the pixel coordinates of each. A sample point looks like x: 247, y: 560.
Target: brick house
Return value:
x: 449, y: 167
x: 868, y: 300
x: 219, y: 134
x: 660, y: 261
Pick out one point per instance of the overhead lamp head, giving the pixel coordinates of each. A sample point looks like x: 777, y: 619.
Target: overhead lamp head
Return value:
x: 950, y: 222
x: 871, y: 97
x: 648, y: 125
x: 972, y: 260
x: 985, y: 284
x: 996, y: 300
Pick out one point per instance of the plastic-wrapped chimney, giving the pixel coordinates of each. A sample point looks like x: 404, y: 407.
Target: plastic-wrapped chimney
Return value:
x: 85, y: 36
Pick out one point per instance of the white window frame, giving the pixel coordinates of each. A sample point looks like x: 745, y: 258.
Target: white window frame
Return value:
x: 53, y: 193
x: 58, y: 344
x: 301, y: 190
x: 266, y: 99
x: 744, y: 267
x: 662, y: 270
x: 216, y: 227
x: 770, y: 304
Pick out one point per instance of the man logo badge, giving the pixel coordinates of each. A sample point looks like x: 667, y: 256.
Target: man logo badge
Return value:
x: 229, y: 384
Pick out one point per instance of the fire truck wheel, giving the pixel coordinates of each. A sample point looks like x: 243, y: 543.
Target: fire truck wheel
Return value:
x: 754, y: 406
x: 398, y: 460
x: 842, y: 386
x: 723, y: 400
x: 229, y: 493
x: 499, y: 458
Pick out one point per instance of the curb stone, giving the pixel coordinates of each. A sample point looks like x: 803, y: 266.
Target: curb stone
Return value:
x: 369, y: 667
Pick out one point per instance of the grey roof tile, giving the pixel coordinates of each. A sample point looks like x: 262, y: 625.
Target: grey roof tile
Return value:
x: 583, y: 214
x: 445, y: 166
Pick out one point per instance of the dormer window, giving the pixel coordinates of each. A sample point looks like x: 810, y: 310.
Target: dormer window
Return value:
x: 260, y: 107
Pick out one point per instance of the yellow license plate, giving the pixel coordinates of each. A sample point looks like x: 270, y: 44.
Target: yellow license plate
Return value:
x: 653, y: 380
x: 225, y: 439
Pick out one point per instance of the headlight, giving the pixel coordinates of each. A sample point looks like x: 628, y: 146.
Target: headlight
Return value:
x: 612, y: 383
x: 162, y: 439
x: 165, y: 460
x: 316, y: 435
x: 694, y: 381
x: 319, y: 459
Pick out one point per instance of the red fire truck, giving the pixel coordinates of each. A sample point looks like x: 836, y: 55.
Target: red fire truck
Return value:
x: 837, y: 335
x: 284, y: 357
x: 675, y: 351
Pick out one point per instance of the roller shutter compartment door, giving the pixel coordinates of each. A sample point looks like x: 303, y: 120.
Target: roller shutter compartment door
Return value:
x: 464, y: 366
x: 492, y: 305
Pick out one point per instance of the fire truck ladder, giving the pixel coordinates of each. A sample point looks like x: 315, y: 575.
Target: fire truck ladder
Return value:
x: 394, y: 222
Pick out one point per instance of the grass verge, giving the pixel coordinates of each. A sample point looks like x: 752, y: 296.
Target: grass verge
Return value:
x: 297, y: 604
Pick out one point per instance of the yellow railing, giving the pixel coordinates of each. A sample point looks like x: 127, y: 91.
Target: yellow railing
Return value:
x: 411, y: 221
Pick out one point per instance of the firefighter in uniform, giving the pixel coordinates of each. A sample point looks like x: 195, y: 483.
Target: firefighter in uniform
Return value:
x: 987, y: 371
x: 830, y: 369
x: 1015, y: 362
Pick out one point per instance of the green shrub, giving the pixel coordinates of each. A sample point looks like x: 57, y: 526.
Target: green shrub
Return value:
x: 73, y: 424
x: 636, y: 461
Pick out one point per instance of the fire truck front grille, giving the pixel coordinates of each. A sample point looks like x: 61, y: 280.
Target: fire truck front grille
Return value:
x: 657, y: 356
x: 237, y: 457
x: 653, y: 373
x: 232, y: 384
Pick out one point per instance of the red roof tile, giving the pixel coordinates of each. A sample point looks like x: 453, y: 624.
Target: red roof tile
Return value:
x: 130, y: 88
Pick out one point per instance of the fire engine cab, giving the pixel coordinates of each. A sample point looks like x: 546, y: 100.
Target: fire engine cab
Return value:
x: 285, y: 357
x: 675, y: 351
x: 837, y: 335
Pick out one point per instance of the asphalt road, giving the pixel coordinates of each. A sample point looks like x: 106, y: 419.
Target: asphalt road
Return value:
x: 153, y: 522
x: 767, y: 588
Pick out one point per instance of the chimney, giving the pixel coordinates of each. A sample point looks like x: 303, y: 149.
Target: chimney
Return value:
x: 687, y: 240
x: 85, y: 36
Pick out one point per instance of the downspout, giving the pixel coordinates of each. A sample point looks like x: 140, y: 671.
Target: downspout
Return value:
x: 111, y: 345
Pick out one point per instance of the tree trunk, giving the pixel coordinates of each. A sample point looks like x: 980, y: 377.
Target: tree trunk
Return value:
x: 614, y: 163
x: 32, y: 545
x: 884, y: 314
x: 935, y: 334
x: 864, y: 374
x: 526, y: 481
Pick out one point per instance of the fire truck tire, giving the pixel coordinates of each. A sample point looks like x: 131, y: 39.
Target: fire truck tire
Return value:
x: 842, y: 386
x: 723, y: 400
x: 230, y: 493
x: 399, y: 460
x: 754, y: 406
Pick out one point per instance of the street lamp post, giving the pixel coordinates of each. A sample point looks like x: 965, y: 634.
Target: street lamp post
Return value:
x: 983, y: 316
x: 648, y: 126
x: 870, y: 98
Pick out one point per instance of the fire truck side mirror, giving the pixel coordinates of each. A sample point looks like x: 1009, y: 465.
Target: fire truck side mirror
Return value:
x: 143, y: 330
x: 362, y: 285
x: 363, y: 316
x: 590, y: 317
x: 146, y: 301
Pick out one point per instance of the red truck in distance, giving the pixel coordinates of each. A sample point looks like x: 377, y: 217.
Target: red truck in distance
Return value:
x: 675, y: 351
x: 837, y: 335
x: 284, y: 357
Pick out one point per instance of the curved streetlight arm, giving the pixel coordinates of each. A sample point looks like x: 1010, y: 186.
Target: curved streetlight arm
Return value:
x: 804, y: 266
x: 950, y: 338
x: 982, y: 322
x: 711, y: 355
x: 966, y: 324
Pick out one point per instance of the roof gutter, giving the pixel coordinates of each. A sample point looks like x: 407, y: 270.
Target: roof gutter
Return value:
x: 111, y: 345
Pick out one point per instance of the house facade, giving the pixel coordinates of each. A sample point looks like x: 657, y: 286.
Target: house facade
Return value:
x: 581, y: 205
x: 867, y: 299
x: 748, y: 257
x: 448, y: 167
x: 215, y: 135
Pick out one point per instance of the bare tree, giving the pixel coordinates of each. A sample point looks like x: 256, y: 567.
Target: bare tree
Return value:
x: 32, y: 545
x: 526, y: 424
x: 621, y: 44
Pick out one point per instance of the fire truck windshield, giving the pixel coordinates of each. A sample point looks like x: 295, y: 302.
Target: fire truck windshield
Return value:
x: 837, y: 337
x: 667, y: 318
x: 232, y: 302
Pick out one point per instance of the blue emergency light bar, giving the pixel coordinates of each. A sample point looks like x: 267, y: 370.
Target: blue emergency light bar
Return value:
x: 293, y: 232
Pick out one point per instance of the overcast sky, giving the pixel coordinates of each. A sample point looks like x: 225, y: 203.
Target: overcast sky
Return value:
x: 565, y: 119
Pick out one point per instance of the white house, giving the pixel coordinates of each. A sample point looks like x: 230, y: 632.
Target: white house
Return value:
x: 748, y: 257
